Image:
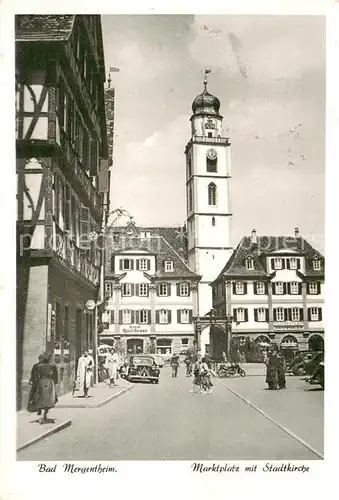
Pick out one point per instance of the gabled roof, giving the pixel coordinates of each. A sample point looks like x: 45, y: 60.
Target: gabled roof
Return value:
x: 156, y: 245
x: 267, y: 245
x: 43, y: 27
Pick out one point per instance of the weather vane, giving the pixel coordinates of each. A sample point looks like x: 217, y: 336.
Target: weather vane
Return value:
x: 207, y: 71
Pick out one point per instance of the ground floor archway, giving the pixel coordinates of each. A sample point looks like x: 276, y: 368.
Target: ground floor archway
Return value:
x: 289, y: 346
x: 316, y: 343
x: 219, y: 343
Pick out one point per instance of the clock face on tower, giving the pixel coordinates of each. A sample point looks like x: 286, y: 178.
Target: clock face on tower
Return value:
x: 211, y: 154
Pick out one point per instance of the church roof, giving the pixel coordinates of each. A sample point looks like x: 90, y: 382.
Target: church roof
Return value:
x: 265, y: 246
x: 206, y: 103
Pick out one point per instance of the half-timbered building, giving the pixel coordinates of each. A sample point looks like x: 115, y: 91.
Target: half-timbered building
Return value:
x: 62, y: 163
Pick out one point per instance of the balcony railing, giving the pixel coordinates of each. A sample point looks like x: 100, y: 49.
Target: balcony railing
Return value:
x: 288, y: 325
x: 210, y: 140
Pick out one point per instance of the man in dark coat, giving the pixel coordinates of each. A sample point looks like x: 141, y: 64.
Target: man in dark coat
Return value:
x: 175, y: 365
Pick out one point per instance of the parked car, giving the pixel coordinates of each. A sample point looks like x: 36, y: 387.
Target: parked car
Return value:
x: 141, y: 367
x: 305, y: 362
x: 318, y: 375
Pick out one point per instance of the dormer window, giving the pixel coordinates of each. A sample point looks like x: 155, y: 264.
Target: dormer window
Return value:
x: 317, y: 265
x: 249, y: 263
x: 142, y: 234
x: 148, y: 234
x: 168, y: 266
x: 277, y: 263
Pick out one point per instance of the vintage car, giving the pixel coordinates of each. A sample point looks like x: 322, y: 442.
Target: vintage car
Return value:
x: 304, y: 363
x: 140, y: 367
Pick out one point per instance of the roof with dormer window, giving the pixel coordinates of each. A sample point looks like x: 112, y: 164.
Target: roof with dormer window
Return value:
x: 269, y: 246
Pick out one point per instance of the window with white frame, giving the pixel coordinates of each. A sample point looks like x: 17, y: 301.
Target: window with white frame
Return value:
x: 279, y: 288
x: 317, y: 265
x: 295, y: 314
x: 108, y: 290
x: 240, y: 314
x: 126, y: 290
x: 168, y: 266
x: 313, y: 288
x: 143, y: 289
x: 260, y: 288
x: 148, y: 234
x: 249, y: 264
x: 163, y: 316
x: 126, y: 316
x: 293, y: 263
x: 144, y: 264
x: 280, y: 314
x: 184, y: 289
x: 142, y: 234
x: 277, y: 263
x: 184, y: 344
x: 239, y: 288
x: 184, y: 316
x: 294, y: 288
x: 314, y: 314
x: 261, y: 314
x: 163, y: 289
x: 143, y: 316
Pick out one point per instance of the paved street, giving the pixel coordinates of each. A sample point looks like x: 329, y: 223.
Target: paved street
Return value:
x: 167, y: 422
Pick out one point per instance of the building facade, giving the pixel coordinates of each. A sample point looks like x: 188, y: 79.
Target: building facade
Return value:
x: 62, y: 164
x: 151, y: 295
x: 208, y: 183
x: 273, y: 288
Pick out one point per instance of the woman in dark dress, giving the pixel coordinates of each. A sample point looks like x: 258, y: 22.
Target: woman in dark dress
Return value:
x: 43, y: 395
x: 281, y: 371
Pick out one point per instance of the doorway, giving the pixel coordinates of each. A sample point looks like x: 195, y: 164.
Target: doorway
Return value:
x: 135, y: 346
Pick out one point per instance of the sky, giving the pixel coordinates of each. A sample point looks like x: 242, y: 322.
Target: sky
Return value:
x: 269, y: 74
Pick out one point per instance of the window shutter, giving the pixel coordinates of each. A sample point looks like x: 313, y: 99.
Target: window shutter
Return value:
x: 189, y: 289
x: 246, y: 314
x: 169, y: 316
x: 120, y: 264
x: 298, y: 263
x: 285, y: 288
x: 266, y: 288
x: 274, y: 315
x: 267, y: 315
x: 94, y: 158
x: 131, y: 264
x: 288, y: 265
x: 132, y: 289
x: 137, y: 290
x: 132, y: 316
x: 169, y: 289
x: 234, y: 289
x: 190, y: 315
x: 245, y: 288
x: 112, y: 316
x: 309, y: 314
x: 147, y: 287
x: 320, y: 313
x: 255, y: 314
x: 255, y: 287
x: 299, y: 288
x: 318, y: 289
x: 149, y: 319
x: 301, y: 314
x: 120, y: 317
x: 289, y: 288
x: 178, y: 316
x: 137, y: 264
x: 272, y: 264
x: 273, y: 288
x: 148, y: 264
x: 283, y: 265
x: 178, y: 289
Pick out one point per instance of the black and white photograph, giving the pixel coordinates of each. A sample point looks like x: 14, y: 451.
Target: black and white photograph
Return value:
x: 170, y: 239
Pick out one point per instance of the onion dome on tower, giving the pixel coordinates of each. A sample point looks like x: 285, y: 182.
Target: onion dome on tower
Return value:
x: 206, y: 103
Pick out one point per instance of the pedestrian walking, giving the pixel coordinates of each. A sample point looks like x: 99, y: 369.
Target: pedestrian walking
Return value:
x: 175, y: 361
x: 281, y: 366
x: 85, y: 373
x: 271, y: 370
x: 196, y: 375
x: 205, y: 373
x: 188, y: 363
x: 112, y: 365
x: 44, y: 377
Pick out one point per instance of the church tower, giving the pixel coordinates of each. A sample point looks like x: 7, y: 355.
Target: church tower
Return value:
x: 208, y: 179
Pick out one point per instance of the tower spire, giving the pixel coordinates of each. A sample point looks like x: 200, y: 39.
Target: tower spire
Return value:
x: 207, y: 71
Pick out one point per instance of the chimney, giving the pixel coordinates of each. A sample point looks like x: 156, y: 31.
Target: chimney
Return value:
x: 254, y: 237
x: 296, y: 232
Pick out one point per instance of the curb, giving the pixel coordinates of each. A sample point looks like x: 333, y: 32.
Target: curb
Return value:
x: 58, y: 428
x: 101, y: 403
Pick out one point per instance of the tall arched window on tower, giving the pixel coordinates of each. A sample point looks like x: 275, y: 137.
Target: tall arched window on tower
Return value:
x: 190, y: 198
x: 212, y: 194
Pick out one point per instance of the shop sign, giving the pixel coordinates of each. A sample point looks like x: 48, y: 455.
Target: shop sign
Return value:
x: 135, y: 329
